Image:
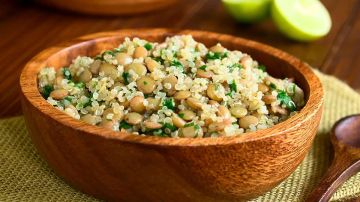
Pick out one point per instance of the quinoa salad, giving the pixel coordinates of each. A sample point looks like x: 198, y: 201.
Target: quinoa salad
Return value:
x: 176, y: 88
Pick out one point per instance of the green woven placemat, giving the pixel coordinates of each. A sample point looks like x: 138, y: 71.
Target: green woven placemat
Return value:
x: 24, y: 176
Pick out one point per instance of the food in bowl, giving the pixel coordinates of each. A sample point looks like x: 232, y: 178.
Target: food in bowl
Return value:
x: 177, y: 88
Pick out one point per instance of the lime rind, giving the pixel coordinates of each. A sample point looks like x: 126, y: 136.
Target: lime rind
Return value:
x: 301, y: 20
x: 248, y: 11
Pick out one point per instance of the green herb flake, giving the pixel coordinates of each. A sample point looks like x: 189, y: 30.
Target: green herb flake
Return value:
x: 67, y: 73
x: 169, y: 126
x: 189, y: 124
x: 169, y: 103
x: 262, y: 68
x: 232, y: 86
x: 108, y: 52
x: 80, y: 85
x: 234, y: 66
x: 159, y: 59
x: 181, y: 115
x: 285, y: 99
x: 272, y: 86
x: 69, y: 98
x: 197, y: 127
x: 159, y: 133
x: 177, y: 64
x: 125, y: 125
x: 145, y: 83
x: 213, y: 56
x: 126, y: 76
x: 148, y: 46
x: 203, y: 67
x: 47, y: 89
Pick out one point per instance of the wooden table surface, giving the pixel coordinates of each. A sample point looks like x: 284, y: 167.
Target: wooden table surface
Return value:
x: 27, y: 28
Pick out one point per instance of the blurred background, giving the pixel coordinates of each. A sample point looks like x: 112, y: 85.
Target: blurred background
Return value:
x: 27, y: 27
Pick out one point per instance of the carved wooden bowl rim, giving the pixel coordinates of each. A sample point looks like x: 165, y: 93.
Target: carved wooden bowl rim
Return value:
x: 28, y: 83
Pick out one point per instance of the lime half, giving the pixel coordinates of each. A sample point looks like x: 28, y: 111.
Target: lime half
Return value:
x: 248, y: 11
x: 302, y: 20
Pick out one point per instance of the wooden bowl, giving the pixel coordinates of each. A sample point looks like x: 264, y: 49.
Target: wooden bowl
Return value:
x: 109, y: 7
x: 120, y: 166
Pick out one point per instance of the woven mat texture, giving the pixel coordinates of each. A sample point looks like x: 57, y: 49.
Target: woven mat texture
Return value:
x: 24, y: 176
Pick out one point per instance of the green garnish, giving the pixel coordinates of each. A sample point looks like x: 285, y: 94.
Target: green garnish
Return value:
x: 262, y: 68
x: 148, y: 46
x: 126, y: 76
x: 169, y: 103
x: 197, y: 127
x: 203, y: 67
x: 216, y: 55
x: 181, y: 115
x: 145, y: 83
x: 159, y: 59
x: 234, y: 66
x: 67, y: 73
x: 285, y: 99
x: 80, y: 85
x: 232, y: 86
x: 272, y: 86
x: 189, y: 124
x: 171, y: 127
x: 124, y: 125
x: 108, y: 52
x: 69, y: 98
x: 159, y: 132
x: 47, y: 90
x: 177, y: 64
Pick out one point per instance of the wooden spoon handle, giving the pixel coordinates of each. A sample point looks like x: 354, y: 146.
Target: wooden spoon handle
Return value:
x: 341, y: 169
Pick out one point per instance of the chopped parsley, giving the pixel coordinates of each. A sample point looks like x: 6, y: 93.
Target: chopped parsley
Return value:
x: 160, y: 133
x: 80, y: 85
x: 177, y: 64
x: 126, y: 76
x: 234, y: 66
x: 285, y: 99
x: 67, y: 73
x: 47, y: 90
x: 69, y: 98
x: 181, y: 115
x: 216, y: 55
x: 232, y: 86
x: 262, y: 68
x: 145, y: 83
x: 197, y: 127
x: 108, y: 52
x: 272, y: 86
x: 86, y: 104
x: 171, y: 127
x: 169, y: 103
x: 189, y: 124
x: 159, y: 59
x: 148, y: 46
x: 124, y: 125
x: 203, y: 67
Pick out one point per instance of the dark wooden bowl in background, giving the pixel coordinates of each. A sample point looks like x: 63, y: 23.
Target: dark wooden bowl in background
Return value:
x: 109, y: 7
x: 119, y: 166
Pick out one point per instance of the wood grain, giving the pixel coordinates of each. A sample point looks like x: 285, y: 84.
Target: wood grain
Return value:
x: 119, y: 166
x: 27, y: 28
x: 346, y: 142
x: 109, y: 7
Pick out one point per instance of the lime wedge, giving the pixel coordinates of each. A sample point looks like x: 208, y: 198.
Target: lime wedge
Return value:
x: 248, y: 11
x: 302, y: 20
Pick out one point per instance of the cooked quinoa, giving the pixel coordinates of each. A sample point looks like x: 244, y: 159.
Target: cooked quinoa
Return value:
x: 177, y: 88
